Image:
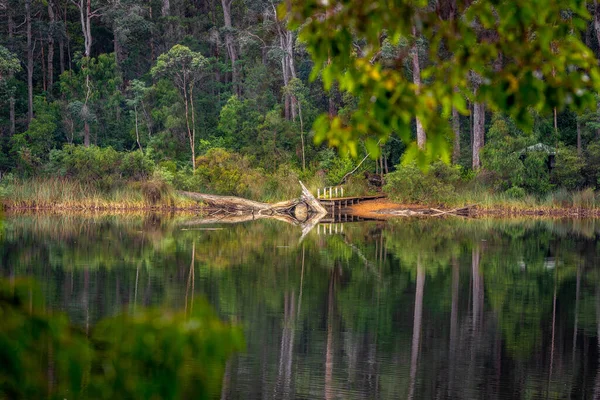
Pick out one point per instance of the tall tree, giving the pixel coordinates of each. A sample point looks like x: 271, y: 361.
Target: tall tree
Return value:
x: 231, y: 46
x: 51, y: 35
x: 29, y: 61
x: 185, y: 69
x: 417, y: 81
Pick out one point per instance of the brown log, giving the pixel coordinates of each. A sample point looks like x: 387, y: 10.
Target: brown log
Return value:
x: 305, y: 211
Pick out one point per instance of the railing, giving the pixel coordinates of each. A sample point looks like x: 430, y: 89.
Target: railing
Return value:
x: 329, y: 229
x: 330, y: 192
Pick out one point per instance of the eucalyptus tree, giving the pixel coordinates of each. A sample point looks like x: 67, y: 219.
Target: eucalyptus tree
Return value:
x: 185, y: 69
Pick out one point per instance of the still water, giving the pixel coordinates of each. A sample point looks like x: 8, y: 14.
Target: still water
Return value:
x: 423, y: 309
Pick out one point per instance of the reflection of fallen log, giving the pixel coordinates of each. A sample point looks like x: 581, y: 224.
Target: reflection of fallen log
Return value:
x: 428, y: 212
x: 305, y: 211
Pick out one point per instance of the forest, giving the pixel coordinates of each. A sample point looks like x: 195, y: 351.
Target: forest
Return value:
x: 449, y: 101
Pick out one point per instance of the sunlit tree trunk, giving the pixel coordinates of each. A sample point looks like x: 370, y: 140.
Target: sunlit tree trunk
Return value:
x: 417, y: 81
x: 478, y: 132
x: 417, y: 321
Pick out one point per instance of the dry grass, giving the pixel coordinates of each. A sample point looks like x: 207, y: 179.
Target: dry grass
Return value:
x: 64, y: 194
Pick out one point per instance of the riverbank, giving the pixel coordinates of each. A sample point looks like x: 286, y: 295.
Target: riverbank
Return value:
x: 388, y: 209
x: 67, y: 195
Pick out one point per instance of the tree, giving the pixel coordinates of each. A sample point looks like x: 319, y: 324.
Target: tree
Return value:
x: 9, y: 64
x: 185, y: 69
x: 533, y: 75
x: 231, y: 46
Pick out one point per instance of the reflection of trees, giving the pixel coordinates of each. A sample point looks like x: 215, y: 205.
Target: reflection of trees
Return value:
x: 483, y: 327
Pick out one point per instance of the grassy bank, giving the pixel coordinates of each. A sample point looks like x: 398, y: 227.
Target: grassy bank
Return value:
x: 65, y: 194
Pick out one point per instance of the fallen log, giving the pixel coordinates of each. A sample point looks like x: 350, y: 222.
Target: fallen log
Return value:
x: 305, y: 211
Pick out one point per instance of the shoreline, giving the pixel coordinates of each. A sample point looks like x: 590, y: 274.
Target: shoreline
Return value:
x: 378, y: 209
x: 383, y: 209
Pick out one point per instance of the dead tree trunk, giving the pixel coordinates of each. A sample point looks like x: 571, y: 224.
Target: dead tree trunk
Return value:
x: 305, y: 211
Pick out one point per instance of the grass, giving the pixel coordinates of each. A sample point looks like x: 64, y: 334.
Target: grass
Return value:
x: 64, y: 194
x: 560, y: 200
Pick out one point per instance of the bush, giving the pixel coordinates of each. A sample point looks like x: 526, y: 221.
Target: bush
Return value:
x: 135, y: 166
x: 536, y: 177
x: 222, y: 172
x: 516, y: 193
x: 592, y: 170
x: 104, y: 167
x: 568, y: 169
x: 410, y: 184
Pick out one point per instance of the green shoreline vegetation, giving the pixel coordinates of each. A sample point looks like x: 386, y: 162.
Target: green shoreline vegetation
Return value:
x: 245, y: 100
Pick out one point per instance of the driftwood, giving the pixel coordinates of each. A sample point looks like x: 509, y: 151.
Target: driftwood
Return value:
x: 305, y: 211
x: 428, y: 212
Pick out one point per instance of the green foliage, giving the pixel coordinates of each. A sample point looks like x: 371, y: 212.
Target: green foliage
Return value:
x: 550, y: 68
x: 238, y: 123
x: 9, y: 62
x: 152, y: 353
x: 222, y: 172
x: 501, y: 155
x: 102, y: 166
x: 515, y: 192
x: 592, y: 167
x: 567, y: 171
x: 33, y: 146
x: 411, y: 184
x: 536, y: 177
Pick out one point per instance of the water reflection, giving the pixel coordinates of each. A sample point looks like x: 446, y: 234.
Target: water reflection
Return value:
x: 412, y: 309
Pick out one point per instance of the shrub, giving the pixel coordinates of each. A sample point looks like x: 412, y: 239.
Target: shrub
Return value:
x: 104, y: 167
x: 536, y: 177
x: 410, y: 184
x: 592, y: 169
x: 568, y: 169
x: 135, y: 166
x: 223, y: 172
x: 516, y: 193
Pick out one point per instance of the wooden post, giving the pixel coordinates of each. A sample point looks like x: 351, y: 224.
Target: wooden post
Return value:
x: 342, y: 189
x: 336, y: 191
x: 318, y: 193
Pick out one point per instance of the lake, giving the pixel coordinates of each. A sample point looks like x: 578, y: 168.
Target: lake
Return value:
x: 440, y: 308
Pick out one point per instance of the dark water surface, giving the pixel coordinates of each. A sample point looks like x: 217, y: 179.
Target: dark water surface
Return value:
x: 423, y: 309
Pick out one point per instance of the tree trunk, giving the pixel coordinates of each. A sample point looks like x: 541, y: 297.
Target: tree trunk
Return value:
x: 578, y: 137
x: 85, y: 16
x: 230, y: 45
x: 417, y: 321
x: 11, y: 100
x: 52, y: 17
x: 29, y: 62
x: 456, y: 131
x: 86, y: 133
x: 421, y: 138
x: 478, y: 293
x: 478, y: 132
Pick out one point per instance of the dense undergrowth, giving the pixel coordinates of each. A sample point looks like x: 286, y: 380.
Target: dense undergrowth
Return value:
x: 102, y: 178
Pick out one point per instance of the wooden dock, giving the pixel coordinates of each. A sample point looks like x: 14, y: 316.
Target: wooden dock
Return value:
x: 344, y: 202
